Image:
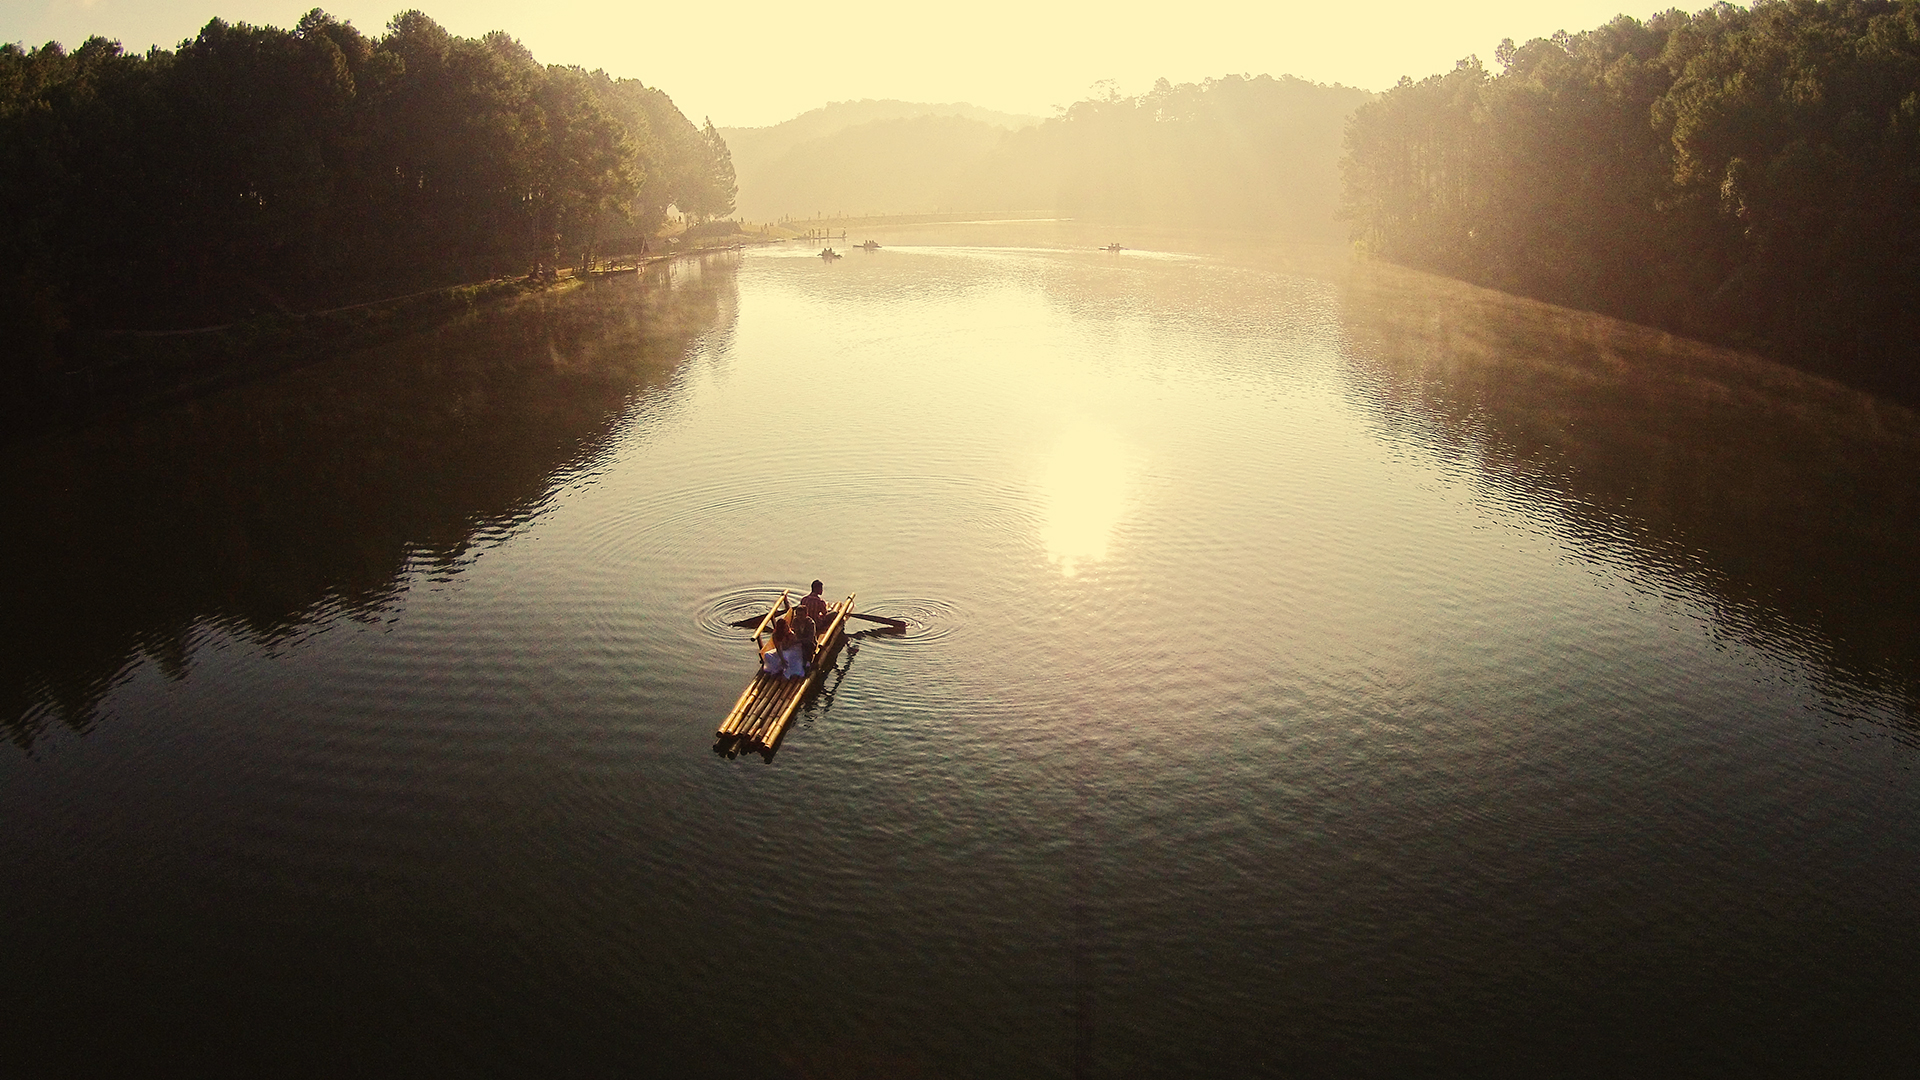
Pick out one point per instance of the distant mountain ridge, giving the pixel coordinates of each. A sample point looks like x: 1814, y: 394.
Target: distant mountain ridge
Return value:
x: 780, y: 167
x: 902, y: 165
x: 763, y: 143
x: 1257, y: 153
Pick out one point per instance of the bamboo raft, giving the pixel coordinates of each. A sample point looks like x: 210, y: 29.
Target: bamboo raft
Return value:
x: 760, y: 718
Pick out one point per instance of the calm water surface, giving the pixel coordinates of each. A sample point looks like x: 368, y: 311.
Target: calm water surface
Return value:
x: 1312, y: 668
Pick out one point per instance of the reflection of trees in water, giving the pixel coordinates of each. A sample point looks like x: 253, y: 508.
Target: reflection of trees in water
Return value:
x: 305, y: 496
x: 1793, y: 501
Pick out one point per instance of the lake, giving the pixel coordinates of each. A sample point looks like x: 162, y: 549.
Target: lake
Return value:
x: 1313, y: 666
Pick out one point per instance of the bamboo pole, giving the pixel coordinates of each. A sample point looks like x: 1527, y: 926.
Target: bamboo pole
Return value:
x: 771, y: 613
x: 779, y: 725
x: 822, y: 643
x: 769, y: 701
x: 752, y: 721
x: 774, y: 704
x: 745, y: 708
x: 739, y: 708
x: 748, y: 706
x: 777, y: 705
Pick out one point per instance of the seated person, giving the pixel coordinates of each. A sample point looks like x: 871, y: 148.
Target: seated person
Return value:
x: 807, y: 631
x: 815, y: 605
x: 773, y: 658
x: 792, y: 651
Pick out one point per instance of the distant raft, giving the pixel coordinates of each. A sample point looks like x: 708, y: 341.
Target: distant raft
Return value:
x: 760, y: 718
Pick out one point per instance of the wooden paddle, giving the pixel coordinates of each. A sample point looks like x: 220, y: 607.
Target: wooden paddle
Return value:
x: 748, y: 624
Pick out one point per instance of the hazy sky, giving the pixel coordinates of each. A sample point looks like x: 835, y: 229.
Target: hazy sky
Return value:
x: 757, y: 62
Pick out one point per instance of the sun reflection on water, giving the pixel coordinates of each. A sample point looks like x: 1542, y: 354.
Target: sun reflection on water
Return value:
x: 1085, y: 487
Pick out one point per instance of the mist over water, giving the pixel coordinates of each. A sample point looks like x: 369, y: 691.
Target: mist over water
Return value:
x: 1311, y: 667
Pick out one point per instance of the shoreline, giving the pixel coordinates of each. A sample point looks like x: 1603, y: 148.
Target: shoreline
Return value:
x: 799, y: 228
x: 121, y: 373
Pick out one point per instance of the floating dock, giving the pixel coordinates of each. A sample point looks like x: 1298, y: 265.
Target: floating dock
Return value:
x: 766, y: 707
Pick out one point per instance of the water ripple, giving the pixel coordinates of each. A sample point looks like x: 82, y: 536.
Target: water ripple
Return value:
x: 719, y: 611
x: 929, y: 620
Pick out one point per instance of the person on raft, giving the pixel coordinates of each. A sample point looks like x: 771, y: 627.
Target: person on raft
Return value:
x: 796, y: 635
x: 815, y: 605
x: 799, y: 643
x: 782, y: 656
x: 806, y: 633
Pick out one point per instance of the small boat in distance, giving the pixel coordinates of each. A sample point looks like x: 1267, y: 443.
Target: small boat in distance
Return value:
x: 1113, y: 247
x: 829, y: 254
x: 868, y: 245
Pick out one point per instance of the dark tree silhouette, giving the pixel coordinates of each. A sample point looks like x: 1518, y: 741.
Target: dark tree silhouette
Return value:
x: 254, y: 169
x: 1748, y: 176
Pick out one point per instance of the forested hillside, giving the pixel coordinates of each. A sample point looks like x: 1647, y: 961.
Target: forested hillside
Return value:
x: 255, y: 168
x: 1750, y: 176
x: 907, y: 165
x: 758, y: 145
x: 1251, y: 153
x: 864, y: 156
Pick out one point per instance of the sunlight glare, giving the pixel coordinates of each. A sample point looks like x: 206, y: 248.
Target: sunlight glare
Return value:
x: 1085, y: 486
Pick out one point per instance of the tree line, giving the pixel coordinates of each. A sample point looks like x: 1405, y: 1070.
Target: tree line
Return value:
x: 1254, y: 153
x: 255, y: 168
x: 1749, y: 176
